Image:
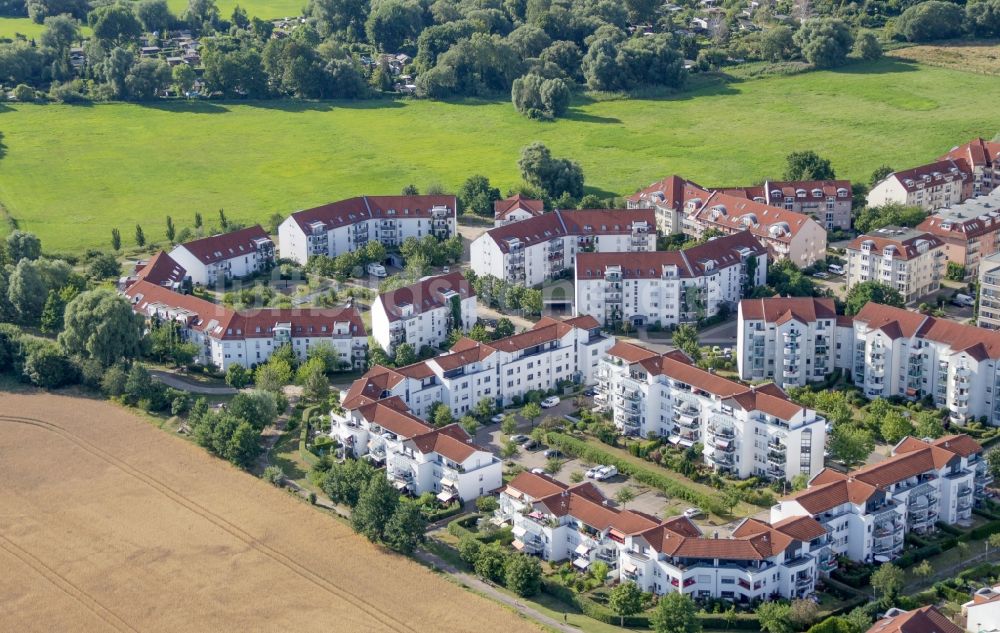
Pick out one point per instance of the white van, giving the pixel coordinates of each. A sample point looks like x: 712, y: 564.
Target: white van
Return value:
x: 964, y: 300
x: 376, y: 269
x: 836, y: 269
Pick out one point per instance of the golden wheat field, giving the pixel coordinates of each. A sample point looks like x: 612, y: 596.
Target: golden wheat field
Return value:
x: 110, y: 524
x: 977, y: 57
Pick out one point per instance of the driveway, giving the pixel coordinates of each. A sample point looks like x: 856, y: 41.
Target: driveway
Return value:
x: 175, y: 381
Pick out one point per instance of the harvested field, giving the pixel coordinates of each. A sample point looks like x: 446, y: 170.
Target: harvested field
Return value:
x: 110, y: 524
x: 975, y: 57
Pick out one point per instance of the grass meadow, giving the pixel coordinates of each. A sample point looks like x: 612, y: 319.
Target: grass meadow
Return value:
x: 72, y: 172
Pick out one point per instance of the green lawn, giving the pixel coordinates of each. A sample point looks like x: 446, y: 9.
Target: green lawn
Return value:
x: 9, y: 27
x: 71, y: 173
x: 266, y: 9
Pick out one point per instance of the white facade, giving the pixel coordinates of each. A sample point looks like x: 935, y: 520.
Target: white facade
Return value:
x: 867, y: 512
x: 930, y: 187
x: 982, y: 613
x: 577, y: 523
x: 423, y: 314
x: 539, y: 248
x: 989, y: 293
x: 745, y: 431
x: 792, y: 341
x: 219, y: 258
x: 669, y: 287
x: 911, y: 261
x: 348, y: 225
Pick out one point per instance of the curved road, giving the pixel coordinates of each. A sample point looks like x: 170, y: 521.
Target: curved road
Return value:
x: 175, y: 381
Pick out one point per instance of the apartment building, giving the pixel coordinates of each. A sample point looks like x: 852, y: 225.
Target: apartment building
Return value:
x: 745, y: 431
x: 981, y: 159
x: 537, y: 359
x: 826, y: 201
x: 988, y: 315
x: 786, y: 234
x: 516, y: 208
x: 536, y: 249
x: 424, y: 313
x: 219, y: 258
x: 417, y: 457
x: 669, y: 287
x: 868, y: 511
x: 226, y: 337
x: 982, y: 613
x: 908, y: 354
x: 910, y: 260
x: 970, y: 230
x: 759, y: 560
x: 792, y: 340
x: 923, y: 620
x: 161, y: 270
x: 667, y: 198
x: 930, y: 187
x: 348, y: 225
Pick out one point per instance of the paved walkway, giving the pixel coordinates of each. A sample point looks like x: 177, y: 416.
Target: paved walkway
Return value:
x: 175, y: 381
x: 490, y: 591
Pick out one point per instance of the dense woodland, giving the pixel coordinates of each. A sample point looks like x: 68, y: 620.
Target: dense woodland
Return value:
x: 538, y: 52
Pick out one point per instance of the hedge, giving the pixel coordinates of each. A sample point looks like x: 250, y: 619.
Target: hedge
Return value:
x: 442, y: 513
x: 981, y: 532
x: 912, y: 557
x: 580, y: 449
x: 833, y: 624
x: 306, y: 455
x: 982, y: 570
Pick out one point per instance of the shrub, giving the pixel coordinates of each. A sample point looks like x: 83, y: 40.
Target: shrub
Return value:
x: 274, y: 475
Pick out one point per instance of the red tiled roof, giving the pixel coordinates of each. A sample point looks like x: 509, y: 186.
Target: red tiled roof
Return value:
x: 161, y: 270
x: 820, y: 498
x: 899, y: 468
x: 201, y: 315
x: 801, y: 528
x: 354, y: 210
x: 976, y: 153
x: 225, y: 246
x: 938, y: 172
x: 371, y: 386
x: 923, y: 620
x: 534, y: 485
x: 671, y: 192
x: 390, y: 416
x: 765, y: 221
x: 877, y: 316
x: 778, y: 406
x: 961, y: 445
x: 630, y: 352
x: 427, y: 294
x: 978, y: 342
x: 905, y: 249
x: 775, y: 309
x: 582, y: 222
x: 503, y: 208
x: 464, y: 357
x: 450, y: 441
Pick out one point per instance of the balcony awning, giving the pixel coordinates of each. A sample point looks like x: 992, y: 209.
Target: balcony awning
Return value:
x: 445, y: 496
x: 674, y: 439
x: 399, y: 484
x: 629, y: 568
x: 518, y: 531
x: 581, y: 562
x: 686, y: 442
x: 582, y: 550
x: 448, y: 482
x: 518, y: 545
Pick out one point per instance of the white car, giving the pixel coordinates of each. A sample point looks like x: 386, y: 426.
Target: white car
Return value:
x: 538, y: 471
x: 693, y: 512
x: 592, y: 473
x: 497, y: 419
x: 606, y: 472
x: 821, y: 275
x: 550, y: 402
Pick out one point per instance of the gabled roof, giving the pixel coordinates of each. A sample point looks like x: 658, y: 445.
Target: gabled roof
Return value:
x: 896, y: 322
x: 970, y: 219
x: 427, y: 294
x: 764, y: 221
x: 585, y: 503
x: 929, y: 175
x: 503, y: 208
x: 204, y: 316
x: 976, y: 153
x: 630, y: 352
x: 820, y: 498
x: 783, y: 309
x: 361, y: 208
x: 879, y: 317
x: 449, y: 441
x: 533, y: 485
x: 961, y: 445
x: 923, y: 620
x: 906, y: 244
x: 161, y: 269
x: 217, y: 248
x: 371, y: 386
x: 393, y: 415
x: 582, y: 222
x: 671, y: 192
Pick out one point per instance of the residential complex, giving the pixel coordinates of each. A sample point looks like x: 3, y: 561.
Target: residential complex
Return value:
x: 903, y: 353
x: 826, y: 201
x: 988, y: 315
x: 541, y: 358
x: 542, y: 247
x: 867, y: 512
x: 226, y: 337
x: 792, y: 340
x: 348, y: 225
x: 577, y: 523
x: 982, y: 613
x: 981, y: 159
x: 226, y: 256
x: 515, y: 209
x: 785, y: 234
x: 909, y: 260
x: 933, y: 186
x: 418, y: 458
x: 424, y: 313
x: 923, y: 620
x: 667, y: 198
x: 745, y: 431
x: 669, y: 287
x: 970, y: 230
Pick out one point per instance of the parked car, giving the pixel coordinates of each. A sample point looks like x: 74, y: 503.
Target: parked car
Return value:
x: 550, y: 402
x: 835, y: 269
x: 553, y: 452
x: 498, y: 418
x: 538, y: 471
x: 592, y: 473
x: 727, y: 352
x: 590, y: 391
x: 532, y: 445
x: 964, y: 301
x: 376, y: 269
x: 693, y: 512
x: 606, y: 472
x: 519, y: 439
x: 821, y: 275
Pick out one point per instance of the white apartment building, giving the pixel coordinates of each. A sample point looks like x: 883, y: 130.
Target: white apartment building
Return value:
x: 989, y: 293
x: 515, y: 209
x: 970, y: 230
x: 577, y: 523
x: 786, y: 234
x: 982, y: 613
x: 226, y: 337
x: 669, y: 287
x: 348, y: 225
x: 981, y: 159
x: 868, y: 512
x: 539, y: 248
x: 667, y: 198
x: 826, y: 201
x: 902, y: 353
x: 746, y: 431
x: 418, y: 458
x: 911, y: 261
x: 792, y: 340
x: 424, y: 313
x: 537, y: 359
x: 933, y: 186
x: 219, y: 258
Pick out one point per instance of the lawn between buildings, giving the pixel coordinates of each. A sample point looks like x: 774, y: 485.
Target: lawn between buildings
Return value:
x: 78, y: 166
